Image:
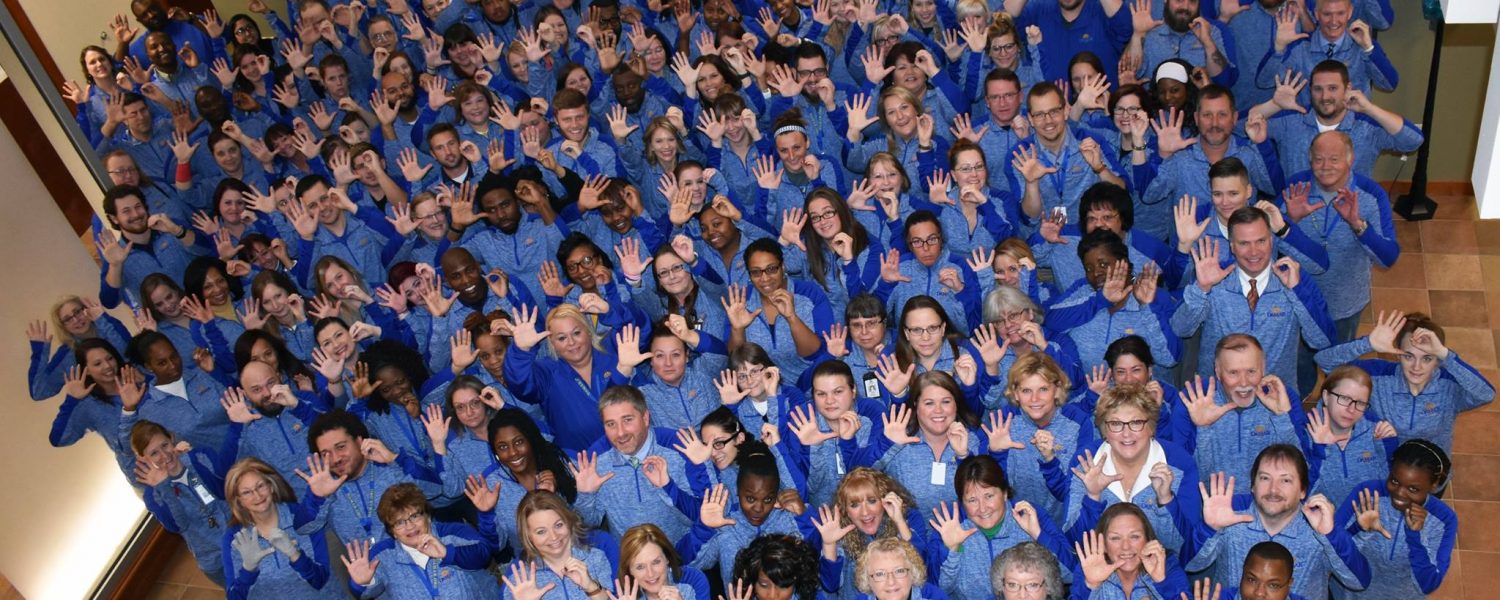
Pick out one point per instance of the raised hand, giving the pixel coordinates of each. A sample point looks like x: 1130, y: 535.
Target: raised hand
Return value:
x: 1367, y: 512
x: 895, y: 424
x: 247, y: 543
x: 482, y: 495
x: 525, y: 333
x: 320, y: 479
x: 1387, y: 327
x: 890, y: 268
x: 950, y: 528
x: 586, y: 473
x: 997, y: 432
x: 1206, y: 264
x: 1288, y: 271
x: 892, y: 376
x: 711, y: 514
x: 1026, y: 162
x: 692, y: 446
x: 1096, y: 566
x: 1168, y: 127
x: 522, y: 582
x: 1091, y: 472
x: 1218, y: 503
x: 829, y: 525
x: 1189, y: 228
x: 1288, y: 87
x: 728, y: 386
x: 1199, y: 401
x: 1319, y: 513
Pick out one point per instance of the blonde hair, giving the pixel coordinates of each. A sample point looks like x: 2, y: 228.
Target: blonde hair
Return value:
x: 572, y: 311
x: 1344, y: 373
x: 971, y: 8
x: 348, y: 307
x: 537, y: 501
x: 890, y: 161
x: 1041, y: 364
x: 882, y: 484
x: 1127, y: 396
x: 659, y: 124
x: 56, y: 317
x: 280, y: 491
x: 892, y: 545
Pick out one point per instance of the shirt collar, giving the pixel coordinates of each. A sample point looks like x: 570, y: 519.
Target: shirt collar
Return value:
x: 1155, y: 454
x: 1261, y: 281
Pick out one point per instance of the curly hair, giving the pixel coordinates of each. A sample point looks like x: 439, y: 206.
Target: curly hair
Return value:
x: 787, y: 560
x: 864, y: 477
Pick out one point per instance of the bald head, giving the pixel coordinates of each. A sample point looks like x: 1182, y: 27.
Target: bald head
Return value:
x: 464, y: 276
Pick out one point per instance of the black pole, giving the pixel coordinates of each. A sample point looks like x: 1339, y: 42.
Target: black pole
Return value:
x: 1415, y: 205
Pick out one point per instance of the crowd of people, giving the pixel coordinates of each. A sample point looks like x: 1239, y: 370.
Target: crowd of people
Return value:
x: 685, y: 299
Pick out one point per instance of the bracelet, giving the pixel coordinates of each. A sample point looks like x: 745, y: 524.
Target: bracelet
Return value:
x: 1361, y: 231
x: 1286, y: 227
x: 181, y: 233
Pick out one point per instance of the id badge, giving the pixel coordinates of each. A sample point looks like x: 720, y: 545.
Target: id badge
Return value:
x: 939, y: 473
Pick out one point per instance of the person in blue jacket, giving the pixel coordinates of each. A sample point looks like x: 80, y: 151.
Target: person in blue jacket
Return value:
x: 1242, y: 410
x: 892, y: 569
x: 1132, y: 467
x: 1347, y: 443
x: 1037, y: 431
x: 925, y: 439
x: 1257, y: 294
x: 1026, y: 571
x: 775, y: 566
x: 650, y: 566
x: 1129, y: 361
x: 869, y: 508
x: 185, y: 489
x: 556, y: 564
x: 1422, y: 392
x: 1267, y: 575
x: 993, y: 525
x: 719, y: 534
x: 835, y: 421
x: 1406, y: 533
x: 1112, y: 302
x: 679, y: 386
x: 92, y: 402
x: 366, y: 470
x: 75, y: 319
x: 569, y: 381
x: 634, y: 477
x: 715, y: 446
x: 1121, y: 559
x: 782, y: 314
x: 1323, y: 549
x: 266, y: 556
x: 420, y: 555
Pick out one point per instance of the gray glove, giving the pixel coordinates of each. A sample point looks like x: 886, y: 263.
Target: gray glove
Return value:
x: 284, y: 544
x: 247, y: 542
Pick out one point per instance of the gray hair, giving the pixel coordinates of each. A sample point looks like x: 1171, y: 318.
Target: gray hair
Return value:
x: 622, y: 394
x: 1027, y: 557
x: 1008, y: 299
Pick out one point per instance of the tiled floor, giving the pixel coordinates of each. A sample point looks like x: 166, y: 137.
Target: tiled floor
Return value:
x: 1449, y: 268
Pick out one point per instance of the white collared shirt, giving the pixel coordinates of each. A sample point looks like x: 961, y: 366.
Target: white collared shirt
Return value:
x: 1155, y: 454
x: 1261, y: 281
x: 416, y: 555
x: 176, y: 388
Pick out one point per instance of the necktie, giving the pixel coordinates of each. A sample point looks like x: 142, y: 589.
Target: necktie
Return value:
x: 1253, y: 297
x: 635, y: 463
x: 1329, y: 50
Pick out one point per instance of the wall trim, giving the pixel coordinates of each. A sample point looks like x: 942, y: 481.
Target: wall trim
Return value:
x: 1434, y: 188
x: 43, y: 157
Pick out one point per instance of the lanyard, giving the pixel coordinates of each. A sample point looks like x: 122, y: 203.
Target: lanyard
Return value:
x: 425, y: 577
x: 364, y: 508
x: 1060, y: 178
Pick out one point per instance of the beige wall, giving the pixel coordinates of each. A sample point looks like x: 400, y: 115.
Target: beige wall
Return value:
x: 64, y: 513
x: 1462, y: 77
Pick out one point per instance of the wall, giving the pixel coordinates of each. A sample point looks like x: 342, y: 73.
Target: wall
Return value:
x: 64, y: 513
x: 1462, y: 77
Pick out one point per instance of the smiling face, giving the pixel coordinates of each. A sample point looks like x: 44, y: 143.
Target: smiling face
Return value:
x: 885, y: 178
x: 336, y: 341
x: 985, y: 505
x: 1239, y: 373
x: 571, y: 339
x: 626, y: 427
x: 1126, y: 108
x: 1409, y: 485
x: 1216, y: 120
x: 718, y: 231
x: 1331, y: 162
x: 862, y: 505
x: 900, y: 115
x: 462, y: 275
x: 893, y: 574
x: 823, y: 217
x: 1128, y: 369
x: 1277, y: 489
x: 765, y: 273
x: 1265, y: 579
x: 1253, y: 246
x: 690, y: 179
x: 711, y: 82
x: 1008, y: 269
x: 74, y: 318
x: 1049, y: 117
x: 1333, y: 18
x: 791, y: 148
x: 131, y: 215
x: 341, y: 452
x: 513, y: 450
x: 1123, y: 542
x: 1329, y: 94
x: 969, y: 171
x: 1037, y: 397
x: 586, y: 268
x: 550, y: 534
x: 723, y: 446
x: 937, y: 410
x: 1003, y: 98
x: 167, y: 301
x: 672, y: 274
x: 255, y: 493
x: 161, y: 451
x: 162, y: 52
x: 649, y: 568
x: 1171, y: 93
x: 1127, y: 445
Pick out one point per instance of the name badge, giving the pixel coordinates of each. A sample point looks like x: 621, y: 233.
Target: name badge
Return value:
x: 203, y: 494
x: 939, y: 473
x: 872, y: 386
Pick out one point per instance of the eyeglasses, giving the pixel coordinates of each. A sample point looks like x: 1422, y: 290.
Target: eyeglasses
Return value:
x: 866, y: 324
x: 749, y: 374
x: 77, y: 315
x: 245, y: 30
x: 1030, y: 587
x: 653, y: 51
x: 927, y: 331
x: 818, y: 73
x: 881, y: 576
x: 576, y: 266
x: 260, y: 489
x: 1343, y: 400
x: 468, y: 407
x: 671, y: 271
x: 769, y: 271
x: 1005, y: 96
x: 823, y: 216
x: 887, y: 40
x: 427, y: 217
x: 1048, y: 115
x: 969, y: 169
x: 121, y: 170
x: 720, y: 443
x: 412, y: 519
x: 1020, y: 316
x: 1005, y: 48
x: 1118, y: 426
x: 933, y: 240
x: 1128, y: 111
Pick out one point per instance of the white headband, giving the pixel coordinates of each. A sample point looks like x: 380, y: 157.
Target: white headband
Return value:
x: 1171, y: 70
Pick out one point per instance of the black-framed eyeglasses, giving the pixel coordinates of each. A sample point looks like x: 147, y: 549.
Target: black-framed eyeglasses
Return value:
x: 769, y: 271
x: 1118, y: 426
x: 934, y: 240
x: 927, y: 331
x: 818, y: 73
x: 1343, y: 400
x: 671, y: 271
x: 586, y: 262
x: 720, y: 443
x: 822, y: 216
